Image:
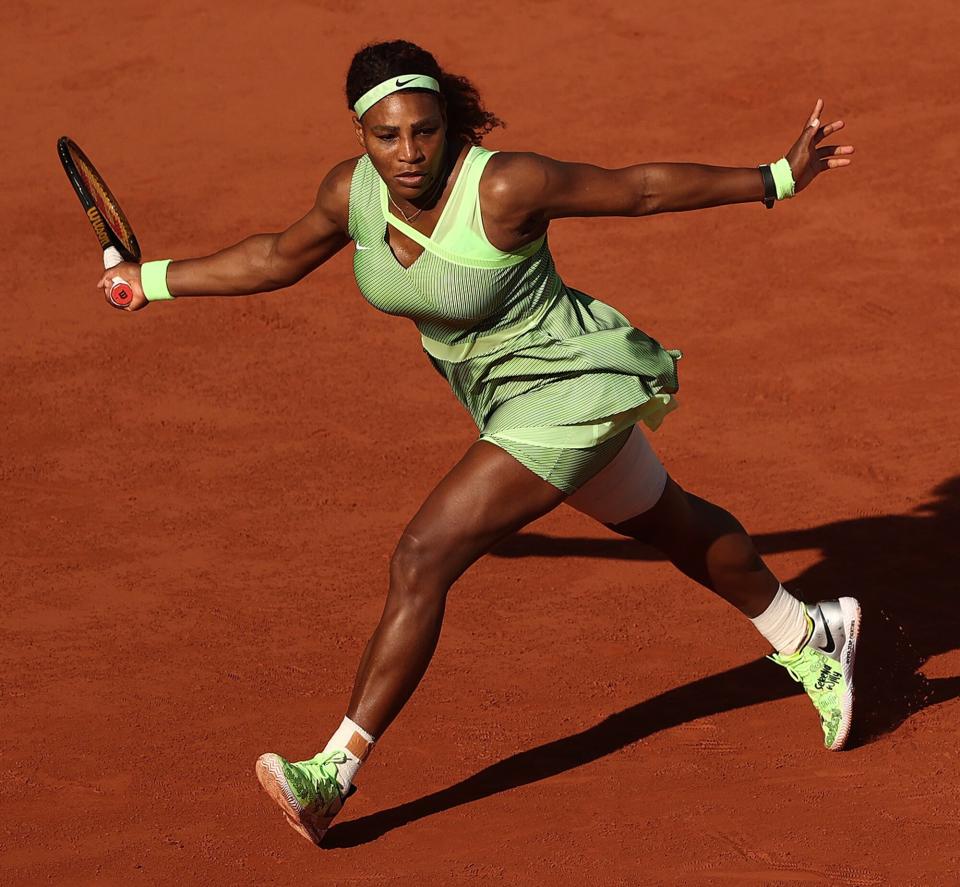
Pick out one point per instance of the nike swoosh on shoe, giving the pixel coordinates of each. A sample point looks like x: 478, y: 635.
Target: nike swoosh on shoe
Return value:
x: 826, y: 630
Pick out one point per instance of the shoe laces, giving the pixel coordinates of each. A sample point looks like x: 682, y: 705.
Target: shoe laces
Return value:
x: 322, y: 772
x: 797, y: 665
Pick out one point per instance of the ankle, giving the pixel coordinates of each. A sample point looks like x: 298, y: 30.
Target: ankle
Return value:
x: 784, y: 623
x: 356, y: 743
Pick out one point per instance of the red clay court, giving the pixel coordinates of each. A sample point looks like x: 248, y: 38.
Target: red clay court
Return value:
x: 200, y: 500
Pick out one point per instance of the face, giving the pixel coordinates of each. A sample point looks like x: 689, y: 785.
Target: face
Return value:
x: 405, y: 136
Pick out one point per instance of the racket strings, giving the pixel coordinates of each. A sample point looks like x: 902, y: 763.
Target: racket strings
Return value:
x: 104, y: 200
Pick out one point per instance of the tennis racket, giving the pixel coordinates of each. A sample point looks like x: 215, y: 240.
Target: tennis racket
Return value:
x: 109, y: 223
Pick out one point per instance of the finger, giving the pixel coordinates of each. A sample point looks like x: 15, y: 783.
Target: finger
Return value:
x: 829, y: 129
x: 836, y: 162
x: 832, y: 150
x: 812, y: 130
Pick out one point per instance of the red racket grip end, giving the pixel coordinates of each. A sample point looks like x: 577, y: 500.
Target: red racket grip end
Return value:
x: 121, y: 294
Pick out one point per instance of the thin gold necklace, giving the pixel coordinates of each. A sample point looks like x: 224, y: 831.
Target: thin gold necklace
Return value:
x: 432, y: 193
x: 406, y: 218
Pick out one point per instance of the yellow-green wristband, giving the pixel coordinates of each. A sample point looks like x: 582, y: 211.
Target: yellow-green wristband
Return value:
x: 153, y: 281
x: 783, y: 178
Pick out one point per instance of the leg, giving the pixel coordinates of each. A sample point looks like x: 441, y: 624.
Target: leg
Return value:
x: 634, y: 496
x: 484, y: 498
x: 816, y: 644
x: 708, y: 544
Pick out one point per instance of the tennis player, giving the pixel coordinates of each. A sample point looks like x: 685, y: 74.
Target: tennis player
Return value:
x: 455, y: 237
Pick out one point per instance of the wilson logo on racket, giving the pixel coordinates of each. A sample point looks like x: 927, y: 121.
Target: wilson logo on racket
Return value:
x: 100, y: 229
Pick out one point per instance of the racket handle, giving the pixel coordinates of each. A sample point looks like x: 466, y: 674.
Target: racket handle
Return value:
x: 120, y: 294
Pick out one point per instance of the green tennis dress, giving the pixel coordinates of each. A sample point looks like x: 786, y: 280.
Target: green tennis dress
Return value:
x: 552, y: 376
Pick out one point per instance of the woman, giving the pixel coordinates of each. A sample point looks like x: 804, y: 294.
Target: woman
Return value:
x: 454, y: 236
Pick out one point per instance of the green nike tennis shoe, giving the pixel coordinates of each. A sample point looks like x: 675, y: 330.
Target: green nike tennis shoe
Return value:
x: 824, y: 665
x: 308, y: 792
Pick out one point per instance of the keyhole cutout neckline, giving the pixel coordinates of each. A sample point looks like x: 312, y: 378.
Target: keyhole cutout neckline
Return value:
x: 409, y: 231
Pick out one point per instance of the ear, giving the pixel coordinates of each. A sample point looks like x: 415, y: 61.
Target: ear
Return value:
x: 358, y: 130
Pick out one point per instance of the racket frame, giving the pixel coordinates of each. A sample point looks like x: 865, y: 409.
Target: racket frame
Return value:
x: 114, y: 248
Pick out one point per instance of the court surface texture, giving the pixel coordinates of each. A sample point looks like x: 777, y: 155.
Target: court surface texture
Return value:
x: 200, y: 499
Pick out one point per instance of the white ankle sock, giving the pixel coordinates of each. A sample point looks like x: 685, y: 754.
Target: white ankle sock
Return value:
x: 357, y: 743
x: 784, y: 623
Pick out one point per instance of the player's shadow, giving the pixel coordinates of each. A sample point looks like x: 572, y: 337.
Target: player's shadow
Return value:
x: 902, y: 569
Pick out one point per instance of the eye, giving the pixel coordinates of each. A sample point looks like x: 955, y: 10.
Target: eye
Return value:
x: 386, y: 138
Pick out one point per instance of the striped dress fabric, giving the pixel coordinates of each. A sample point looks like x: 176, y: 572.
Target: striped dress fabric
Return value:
x: 551, y: 375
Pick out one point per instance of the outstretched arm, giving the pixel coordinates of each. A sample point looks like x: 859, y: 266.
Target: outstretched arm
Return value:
x: 541, y: 189
x: 263, y: 262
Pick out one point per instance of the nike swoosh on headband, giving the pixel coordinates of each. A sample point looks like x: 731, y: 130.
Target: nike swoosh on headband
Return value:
x: 382, y: 90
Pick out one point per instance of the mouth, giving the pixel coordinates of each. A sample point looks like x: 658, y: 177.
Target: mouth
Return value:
x: 412, y: 179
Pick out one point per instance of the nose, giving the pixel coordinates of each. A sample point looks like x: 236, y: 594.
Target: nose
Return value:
x: 409, y: 149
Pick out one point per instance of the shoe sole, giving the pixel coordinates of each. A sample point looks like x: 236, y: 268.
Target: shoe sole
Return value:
x: 270, y: 775
x: 850, y: 609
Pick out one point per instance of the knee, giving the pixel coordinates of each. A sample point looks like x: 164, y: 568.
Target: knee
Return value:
x: 734, y: 554
x: 728, y: 545
x: 415, y: 575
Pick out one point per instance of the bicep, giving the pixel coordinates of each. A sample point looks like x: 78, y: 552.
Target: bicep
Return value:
x: 554, y: 189
x: 309, y: 242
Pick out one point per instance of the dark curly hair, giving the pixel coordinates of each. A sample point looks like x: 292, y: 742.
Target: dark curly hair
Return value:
x: 467, y: 119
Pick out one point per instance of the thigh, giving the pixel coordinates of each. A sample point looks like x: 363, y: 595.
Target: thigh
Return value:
x: 631, y: 484
x: 486, y: 496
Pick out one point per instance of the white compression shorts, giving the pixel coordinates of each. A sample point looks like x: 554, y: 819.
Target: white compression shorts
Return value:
x: 630, y: 484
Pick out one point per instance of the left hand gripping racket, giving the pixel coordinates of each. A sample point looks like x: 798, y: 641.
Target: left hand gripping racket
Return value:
x: 110, y: 224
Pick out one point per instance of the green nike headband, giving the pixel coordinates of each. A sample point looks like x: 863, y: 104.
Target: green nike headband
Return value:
x: 394, y: 84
